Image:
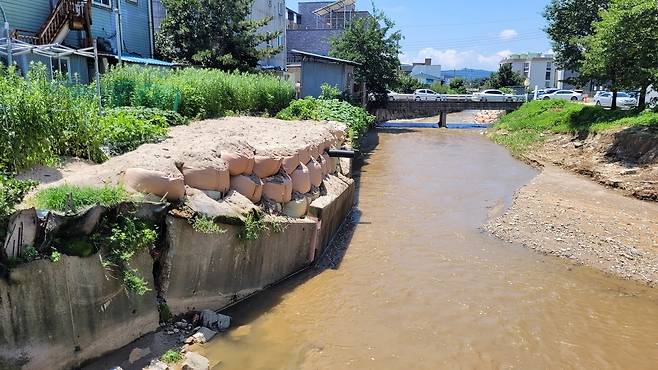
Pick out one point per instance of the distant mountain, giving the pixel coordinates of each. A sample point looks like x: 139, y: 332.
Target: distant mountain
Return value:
x: 466, y: 73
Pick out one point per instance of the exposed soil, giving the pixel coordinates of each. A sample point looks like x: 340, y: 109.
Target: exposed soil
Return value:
x: 626, y: 159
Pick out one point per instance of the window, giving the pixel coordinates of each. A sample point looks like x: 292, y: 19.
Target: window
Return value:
x: 105, y: 3
x: 526, y: 69
x: 549, y: 70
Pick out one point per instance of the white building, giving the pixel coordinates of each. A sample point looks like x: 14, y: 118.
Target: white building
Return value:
x: 426, y: 72
x: 537, y: 69
x: 276, y: 9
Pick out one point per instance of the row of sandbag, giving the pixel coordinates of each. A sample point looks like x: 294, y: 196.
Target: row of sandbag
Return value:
x: 253, y: 176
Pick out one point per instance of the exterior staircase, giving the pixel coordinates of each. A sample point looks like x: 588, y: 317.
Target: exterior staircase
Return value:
x: 68, y: 15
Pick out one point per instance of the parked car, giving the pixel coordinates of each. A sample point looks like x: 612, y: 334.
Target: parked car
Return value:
x: 392, y: 95
x: 493, y: 96
x: 563, y: 95
x: 427, y: 94
x: 624, y: 100
x: 545, y: 92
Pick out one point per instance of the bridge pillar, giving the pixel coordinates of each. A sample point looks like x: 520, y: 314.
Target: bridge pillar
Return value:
x: 443, y: 119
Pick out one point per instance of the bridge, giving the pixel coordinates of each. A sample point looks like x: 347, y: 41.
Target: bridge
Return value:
x: 417, y: 109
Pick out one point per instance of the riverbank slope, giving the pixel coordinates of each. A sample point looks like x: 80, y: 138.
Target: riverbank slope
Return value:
x: 563, y: 213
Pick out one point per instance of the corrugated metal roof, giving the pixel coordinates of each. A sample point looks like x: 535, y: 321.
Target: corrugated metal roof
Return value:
x: 324, y: 57
x: 145, y: 61
x: 333, y: 7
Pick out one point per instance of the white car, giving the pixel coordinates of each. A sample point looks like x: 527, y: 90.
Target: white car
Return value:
x: 427, y: 95
x: 563, y: 95
x: 493, y: 95
x: 624, y: 100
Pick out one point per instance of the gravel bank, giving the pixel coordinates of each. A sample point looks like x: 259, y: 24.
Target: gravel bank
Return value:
x: 564, y: 214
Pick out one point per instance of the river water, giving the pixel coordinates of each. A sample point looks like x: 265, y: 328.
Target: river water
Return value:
x: 420, y: 286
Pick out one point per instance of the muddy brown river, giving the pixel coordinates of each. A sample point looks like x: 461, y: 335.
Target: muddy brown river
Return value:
x: 417, y: 285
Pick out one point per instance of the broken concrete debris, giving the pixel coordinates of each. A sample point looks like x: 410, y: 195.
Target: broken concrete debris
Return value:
x: 215, y: 321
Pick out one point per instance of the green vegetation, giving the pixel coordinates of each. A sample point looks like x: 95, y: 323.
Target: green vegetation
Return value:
x: 196, y: 93
x: 524, y: 127
x: 55, y: 256
x: 215, y: 34
x: 122, y: 131
x: 12, y: 192
x: 171, y: 357
x: 70, y: 198
x: 206, y: 225
x: 151, y: 115
x: 405, y: 84
x: 254, y: 225
x: 373, y: 42
x: 358, y: 121
x: 122, y: 241
x: 504, y: 77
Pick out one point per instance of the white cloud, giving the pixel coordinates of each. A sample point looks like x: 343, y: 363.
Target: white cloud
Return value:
x: 457, y: 59
x: 508, y: 34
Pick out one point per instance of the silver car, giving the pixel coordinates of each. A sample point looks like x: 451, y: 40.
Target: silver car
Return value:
x: 493, y: 95
x: 624, y: 100
x: 427, y: 95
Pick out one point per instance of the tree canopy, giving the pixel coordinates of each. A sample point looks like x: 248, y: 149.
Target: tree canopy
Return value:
x: 569, y: 22
x: 624, y: 46
x: 374, y: 43
x: 505, y: 77
x: 214, y: 34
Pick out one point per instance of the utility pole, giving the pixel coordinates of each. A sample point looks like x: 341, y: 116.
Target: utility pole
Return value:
x: 119, y: 33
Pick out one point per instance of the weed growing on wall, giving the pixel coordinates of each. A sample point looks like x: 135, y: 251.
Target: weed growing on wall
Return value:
x: 357, y: 119
x: 121, y: 241
x: 255, y: 224
x: 206, y: 225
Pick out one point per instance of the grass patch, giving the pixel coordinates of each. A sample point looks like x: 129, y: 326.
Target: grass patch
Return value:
x: 254, y: 225
x: 171, y: 357
x: 530, y: 124
x: 206, y: 225
x: 70, y: 198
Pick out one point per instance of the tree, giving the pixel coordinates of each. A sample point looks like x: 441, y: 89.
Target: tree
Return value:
x: 624, y: 47
x: 372, y: 42
x: 406, y: 84
x: 569, y: 22
x: 458, y: 85
x: 505, y: 77
x: 214, y: 34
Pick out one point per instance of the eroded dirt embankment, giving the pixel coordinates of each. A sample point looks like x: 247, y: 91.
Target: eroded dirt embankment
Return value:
x: 598, y: 223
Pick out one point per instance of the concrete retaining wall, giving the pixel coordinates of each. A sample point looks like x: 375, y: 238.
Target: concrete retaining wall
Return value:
x: 57, y: 315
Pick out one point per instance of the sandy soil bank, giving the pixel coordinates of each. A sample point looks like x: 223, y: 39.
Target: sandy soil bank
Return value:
x: 567, y: 215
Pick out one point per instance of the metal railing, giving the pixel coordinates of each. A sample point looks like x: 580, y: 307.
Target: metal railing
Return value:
x: 75, y: 13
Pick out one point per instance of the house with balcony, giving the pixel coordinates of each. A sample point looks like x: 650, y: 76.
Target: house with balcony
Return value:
x: 537, y: 69
x: 76, y: 24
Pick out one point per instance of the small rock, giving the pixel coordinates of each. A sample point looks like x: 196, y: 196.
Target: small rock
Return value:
x: 157, y: 365
x: 215, y: 321
x: 137, y: 354
x: 194, y: 361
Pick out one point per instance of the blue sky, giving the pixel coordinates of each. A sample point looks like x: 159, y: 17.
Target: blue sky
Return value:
x: 464, y: 33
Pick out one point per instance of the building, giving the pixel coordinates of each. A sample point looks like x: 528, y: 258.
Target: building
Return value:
x: 314, y: 70
x: 426, y: 72
x: 311, y: 28
x: 75, y: 24
x: 275, y: 9
x: 538, y: 69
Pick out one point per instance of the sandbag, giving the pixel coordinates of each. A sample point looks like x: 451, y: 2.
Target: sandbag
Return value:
x: 314, y: 151
x: 266, y: 166
x: 296, y: 208
x: 238, y: 164
x: 325, y: 163
x: 155, y: 182
x: 207, y: 178
x: 249, y: 186
x: 278, y: 189
x: 301, y: 179
x: 304, y: 155
x: 315, y: 170
x: 290, y: 163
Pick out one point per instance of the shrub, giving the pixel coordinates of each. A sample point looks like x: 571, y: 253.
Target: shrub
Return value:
x: 171, y: 357
x: 206, y: 225
x: 68, y: 198
x: 151, y: 115
x: 329, y: 92
x: 123, y: 131
x: 196, y: 93
x: 254, y: 226
x: 358, y: 121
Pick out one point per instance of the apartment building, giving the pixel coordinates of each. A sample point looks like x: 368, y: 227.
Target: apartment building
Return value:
x: 538, y: 69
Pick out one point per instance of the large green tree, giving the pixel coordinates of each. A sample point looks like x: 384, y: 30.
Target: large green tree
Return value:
x: 624, y: 46
x: 214, y: 34
x: 372, y: 42
x: 569, y: 22
x: 406, y: 84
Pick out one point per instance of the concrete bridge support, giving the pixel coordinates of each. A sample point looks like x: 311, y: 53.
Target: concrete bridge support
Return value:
x: 417, y: 109
x: 443, y: 119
